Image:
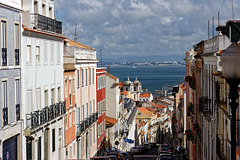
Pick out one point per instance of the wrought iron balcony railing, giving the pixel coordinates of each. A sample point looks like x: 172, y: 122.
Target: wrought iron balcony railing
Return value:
x: 204, y: 105
x: 18, y: 112
x: 5, y: 116
x: 4, y: 56
x: 46, y: 23
x: 16, y: 57
x: 40, y: 117
x: 87, y: 123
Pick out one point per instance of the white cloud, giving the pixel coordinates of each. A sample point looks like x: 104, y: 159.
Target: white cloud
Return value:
x: 140, y: 27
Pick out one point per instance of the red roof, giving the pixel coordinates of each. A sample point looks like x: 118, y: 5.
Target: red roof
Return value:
x: 145, y: 95
x: 160, y: 106
x: 110, y: 120
x: 124, y: 93
x: 144, y: 110
x: 111, y: 76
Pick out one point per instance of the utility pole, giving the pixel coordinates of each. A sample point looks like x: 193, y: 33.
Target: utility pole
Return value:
x: 75, y: 33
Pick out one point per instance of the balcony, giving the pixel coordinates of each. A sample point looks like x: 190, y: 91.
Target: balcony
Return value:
x: 5, y: 116
x: 4, y: 56
x: 204, y: 105
x: 45, y: 23
x: 40, y: 117
x: 86, y: 123
x: 16, y: 57
x: 17, y: 112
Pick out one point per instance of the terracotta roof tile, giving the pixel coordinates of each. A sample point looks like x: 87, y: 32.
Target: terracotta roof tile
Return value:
x: 111, y: 76
x: 144, y: 110
x: 110, y: 120
x: 77, y: 44
x: 145, y: 95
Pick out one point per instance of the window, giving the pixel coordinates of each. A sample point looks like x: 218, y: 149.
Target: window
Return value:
x: 50, y: 12
x: 5, y: 102
x: 45, y: 53
x: 16, y: 43
x: 66, y: 88
x: 73, y: 117
x: 70, y: 119
x: 70, y: 92
x: 39, y: 148
x: 98, y: 131
x: 44, y: 9
x: 4, y: 41
x: 17, y: 91
x: 53, y: 140
x: 17, y: 99
x: 93, y: 106
x: 82, y: 112
x: 52, y: 96
x: 59, y: 94
x: 52, y: 53
x: 78, y: 80
x: 29, y: 54
x: 98, y: 108
x: 78, y: 115
x: 58, y: 53
x: 90, y: 82
x: 98, y: 82
x: 37, y: 54
x: 66, y: 121
x: 73, y: 85
x: 102, y: 81
x: 35, y: 7
x: 93, y: 76
x: 38, y: 98
x: 82, y: 78
x: 46, y: 98
x: 86, y: 77
x: 90, y: 107
x: 29, y: 100
x: 87, y: 110
x: 93, y: 134
x: 90, y: 137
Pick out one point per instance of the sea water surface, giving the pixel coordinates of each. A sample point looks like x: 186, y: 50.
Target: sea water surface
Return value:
x: 151, y: 77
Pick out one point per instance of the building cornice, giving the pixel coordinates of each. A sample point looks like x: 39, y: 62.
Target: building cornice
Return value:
x: 10, y: 7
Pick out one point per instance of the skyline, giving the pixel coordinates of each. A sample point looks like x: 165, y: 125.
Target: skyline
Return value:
x: 137, y: 29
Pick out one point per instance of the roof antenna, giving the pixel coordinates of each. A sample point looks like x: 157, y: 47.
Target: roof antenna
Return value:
x: 232, y: 10
x: 75, y: 33
x: 208, y: 29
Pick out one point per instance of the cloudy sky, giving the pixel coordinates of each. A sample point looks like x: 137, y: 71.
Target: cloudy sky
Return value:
x: 142, y: 30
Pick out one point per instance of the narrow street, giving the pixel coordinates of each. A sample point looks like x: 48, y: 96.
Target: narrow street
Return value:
x: 149, y: 155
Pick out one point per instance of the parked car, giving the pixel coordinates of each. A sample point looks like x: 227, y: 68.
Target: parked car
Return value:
x: 181, y: 150
x: 164, y: 152
x: 152, y: 144
x: 147, y: 145
x: 164, y: 157
x: 100, y: 158
x: 117, y: 154
x: 112, y: 157
x: 130, y: 155
x: 126, y: 156
x: 163, y: 147
x: 136, y: 150
x: 143, y: 148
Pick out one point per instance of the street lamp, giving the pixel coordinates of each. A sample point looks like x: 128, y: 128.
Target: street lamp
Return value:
x: 230, y: 66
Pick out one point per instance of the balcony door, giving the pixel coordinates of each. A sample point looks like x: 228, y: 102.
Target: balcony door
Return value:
x: 46, y: 144
x: 87, y: 146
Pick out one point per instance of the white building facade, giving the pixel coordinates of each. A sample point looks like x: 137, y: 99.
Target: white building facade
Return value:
x: 85, y: 64
x: 10, y: 80
x: 42, y: 82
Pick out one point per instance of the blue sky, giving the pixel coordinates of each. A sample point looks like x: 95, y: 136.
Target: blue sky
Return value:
x: 150, y: 29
